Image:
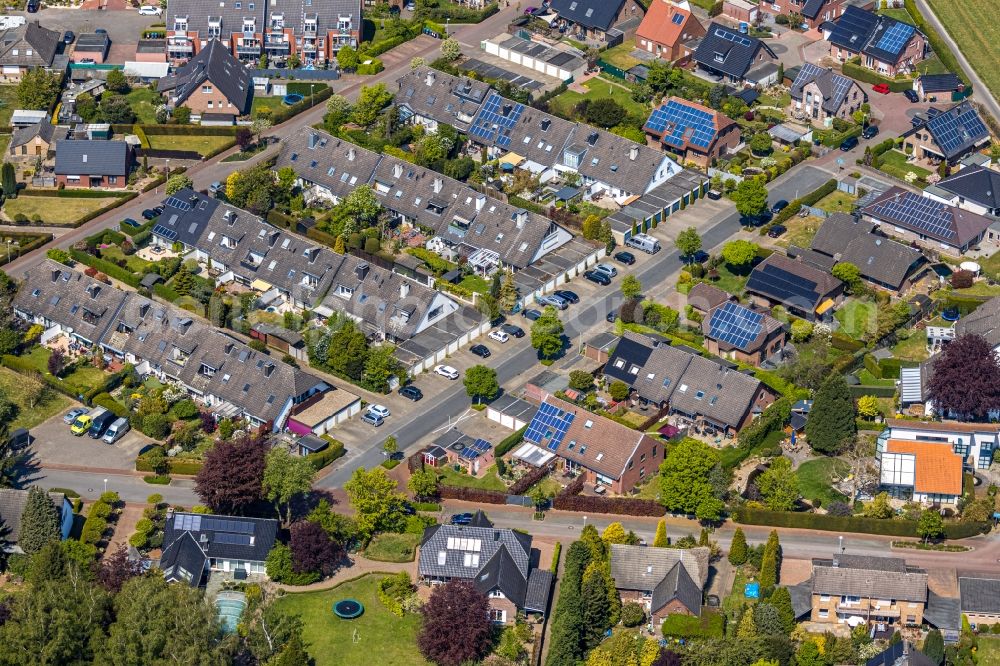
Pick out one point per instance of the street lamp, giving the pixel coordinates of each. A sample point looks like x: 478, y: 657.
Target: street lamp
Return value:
x: 105, y: 485
x: 446, y: 21
x: 168, y: 167
x: 311, y: 85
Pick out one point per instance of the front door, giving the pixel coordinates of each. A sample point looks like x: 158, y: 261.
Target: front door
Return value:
x: 225, y: 565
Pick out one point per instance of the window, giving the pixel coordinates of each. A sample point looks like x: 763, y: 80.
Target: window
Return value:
x: 497, y: 615
x: 112, y: 180
x: 824, y: 613
x: 496, y: 594
x: 642, y: 458
x: 642, y: 472
x: 207, y: 90
x: 824, y: 597
x: 911, y: 619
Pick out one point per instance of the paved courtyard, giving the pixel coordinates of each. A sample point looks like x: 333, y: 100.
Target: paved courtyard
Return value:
x: 54, y: 444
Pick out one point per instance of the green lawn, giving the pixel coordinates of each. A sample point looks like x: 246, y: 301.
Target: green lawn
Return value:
x: 894, y: 163
x: 549, y: 486
x: 144, y: 102
x: 13, y: 384
x: 836, y: 202
x: 914, y: 348
x: 868, y: 379
x: 856, y: 317
x: 135, y: 264
x: 979, y: 289
x: 54, y: 210
x: 779, y: 101
x: 476, y: 284
x: 599, y: 89
x: 79, y: 381
x: 932, y: 65
x: 335, y: 642
x: 489, y: 481
x: 620, y: 56
x: 272, y: 103
x: 899, y: 14
x: 815, y: 476
x: 202, y: 144
x: 728, y: 280
x: 8, y: 102
x: 801, y: 231
x: 988, y: 652
x: 393, y: 547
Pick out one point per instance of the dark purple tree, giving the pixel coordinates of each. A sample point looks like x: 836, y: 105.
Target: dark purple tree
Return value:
x: 232, y: 476
x: 207, y: 422
x: 6, y: 610
x: 244, y: 137
x: 667, y: 658
x: 965, y: 379
x: 457, y: 626
x: 57, y: 362
x: 312, y: 549
x: 116, y: 569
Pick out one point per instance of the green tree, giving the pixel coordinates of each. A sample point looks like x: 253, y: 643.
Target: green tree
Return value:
x: 347, y: 58
x: 116, y: 81
x: 338, y: 245
x: 781, y: 599
x: 660, y: 539
x: 933, y: 647
x: 38, y: 89
x: 831, y: 422
x: 592, y: 227
x: 371, y: 101
x: 879, y: 508
x: 631, y: 287
x: 116, y: 108
x: 684, y: 476
x: 802, y: 330
x: 183, y: 282
x: 376, y: 502
x: 809, y: 654
x: 746, y: 630
x: 738, y: 548
x: 381, y: 365
x: 594, y: 604
x: 481, y: 383
x: 605, y: 112
x: 760, y: 143
x: 930, y: 526
x: 547, y: 332
x: 868, y: 407
x: 39, y: 521
x: 286, y: 477
x: 750, y: 197
x: 779, y: 485
x: 423, y: 483
x: 771, y: 561
x: 614, y: 533
x: 619, y: 390
x: 739, y: 253
x: 508, y: 293
x: 390, y: 446
x: 362, y: 205
x: 450, y: 49
x: 9, y: 180
x: 176, y: 182
x: 338, y: 110
x: 182, y: 115
x: 607, y: 236
x: 688, y: 242
x: 848, y: 273
x: 581, y: 380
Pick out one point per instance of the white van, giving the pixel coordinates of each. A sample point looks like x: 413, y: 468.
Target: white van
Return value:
x: 116, y: 430
x: 150, y: 10
x: 644, y: 242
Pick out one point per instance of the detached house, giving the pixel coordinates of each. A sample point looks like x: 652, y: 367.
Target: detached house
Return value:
x: 865, y: 590
x: 948, y: 135
x: 802, y: 288
x: 666, y: 28
x: 26, y: 47
x: 594, y: 20
x: 666, y: 581
x: 820, y: 95
x: 885, y: 45
x: 692, y: 132
x: 813, y: 13
x: 920, y: 471
x: 931, y: 224
x: 737, y: 57
x: 93, y: 164
x: 12, y: 504
x: 743, y: 334
x: 194, y: 543
x: 212, y: 82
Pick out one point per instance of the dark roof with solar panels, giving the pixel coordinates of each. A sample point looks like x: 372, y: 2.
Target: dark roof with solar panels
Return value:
x: 224, y: 537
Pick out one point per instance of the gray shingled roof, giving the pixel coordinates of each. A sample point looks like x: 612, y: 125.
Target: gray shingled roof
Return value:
x: 12, y: 503
x: 183, y: 561
x: 214, y: 65
x: 983, y: 321
x: 642, y: 568
x: 943, y: 612
x: 539, y: 590
x: 834, y: 87
x: 870, y: 582
x: 879, y: 259
x: 501, y: 572
x: 979, y: 595
x: 36, y: 46
x: 91, y: 158
x: 337, y: 165
x: 231, y: 15
x: 976, y: 184
x: 45, y: 130
x: 726, y: 43
x: 441, y: 97
x: 677, y: 584
x: 588, y: 13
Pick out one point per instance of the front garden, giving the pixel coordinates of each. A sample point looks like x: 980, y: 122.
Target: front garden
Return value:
x: 60, y: 207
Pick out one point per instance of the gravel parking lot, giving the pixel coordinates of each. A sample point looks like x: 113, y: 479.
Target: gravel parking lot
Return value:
x: 54, y: 444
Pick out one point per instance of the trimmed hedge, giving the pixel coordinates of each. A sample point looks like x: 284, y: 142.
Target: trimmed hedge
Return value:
x: 508, y: 443
x: 459, y: 14
x: 286, y: 113
x: 133, y: 232
x: 188, y: 467
x: 280, y: 220
x: 185, y: 130
x: 845, y: 343
x: 108, y: 385
x: 621, y: 506
x: 528, y: 480
x: 877, y: 391
x: 103, y: 265
x: 854, y: 70
x: 890, y: 367
x: 815, y: 521
x: 321, y: 459
x: 76, y: 194
x: 39, y: 241
x: 941, y: 49
x: 792, y: 209
x: 472, y: 494
x: 105, y: 400
x: 872, y: 366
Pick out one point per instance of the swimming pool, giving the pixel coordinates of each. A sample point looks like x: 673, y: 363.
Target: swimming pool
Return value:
x: 230, y: 606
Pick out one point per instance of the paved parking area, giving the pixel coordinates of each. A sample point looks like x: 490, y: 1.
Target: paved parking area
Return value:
x: 123, y: 26
x: 54, y: 444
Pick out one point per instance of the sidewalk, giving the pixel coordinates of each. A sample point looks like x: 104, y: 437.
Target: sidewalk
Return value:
x: 359, y: 567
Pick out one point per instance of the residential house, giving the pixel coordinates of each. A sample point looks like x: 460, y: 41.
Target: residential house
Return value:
x: 801, y: 288
x: 91, y: 47
x: 90, y: 164
x: 497, y: 561
x: 883, y: 44
x: 924, y: 472
x: 194, y: 543
x: 12, y: 504
x: 593, y: 20
x: 934, y: 85
x: 692, y: 132
x: 704, y: 298
x: 975, y: 189
x: 239, y: 24
x: 606, y: 452
x: 948, y: 135
x: 328, y: 168
x: 667, y: 27
x: 427, y: 97
x: 903, y: 653
x: 736, y: 56
x: 820, y: 95
x: 931, y: 224
x: 473, y: 454
x: 213, y: 81
x: 26, y: 47
x: 980, y: 598
x: 973, y: 442
x: 36, y: 140
x: 866, y: 590
x: 666, y: 581
x: 695, y: 389
x: 810, y: 13
x: 742, y: 334
x: 882, y: 261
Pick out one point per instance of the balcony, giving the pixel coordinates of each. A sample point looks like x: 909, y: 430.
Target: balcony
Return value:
x: 873, y: 611
x: 277, y: 45
x: 181, y: 46
x: 309, y: 47
x: 248, y: 49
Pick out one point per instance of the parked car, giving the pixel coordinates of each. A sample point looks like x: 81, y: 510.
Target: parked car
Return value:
x: 446, y: 371
x: 411, y: 7
x: 100, y: 423
x: 33, y: 6
x: 482, y: 351
x: 554, y: 301
x: 128, y: 221
x: 149, y: 214
x: 116, y: 431
x: 150, y: 10
x: 871, y: 131
x: 714, y: 195
x: 215, y: 188
x: 607, y: 269
x: 73, y: 413
x: 776, y: 230
x: 881, y: 88
x: 381, y: 410
x: 644, y: 242
x: 499, y: 336
x: 69, y: 37
x: 849, y: 144
x: 611, y: 317
x: 461, y: 519
x: 529, y: 11
x: 81, y: 424
x: 566, y: 295
x: 411, y: 392
x: 626, y: 258
x: 372, y: 418
x: 598, y: 277
x: 512, y: 329
x: 779, y: 206
x: 911, y: 95
x: 531, y: 314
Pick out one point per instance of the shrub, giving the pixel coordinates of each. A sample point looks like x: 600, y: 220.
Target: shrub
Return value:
x: 521, y: 486
x: 393, y: 590
x: 633, y: 614
x: 473, y: 495
x: 834, y: 523
x: 508, y: 443
x: 321, y: 459
x: 621, y: 506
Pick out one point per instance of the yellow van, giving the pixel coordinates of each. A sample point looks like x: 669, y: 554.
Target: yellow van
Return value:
x: 81, y: 425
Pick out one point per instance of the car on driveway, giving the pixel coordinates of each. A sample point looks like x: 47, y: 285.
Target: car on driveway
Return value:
x: 531, y: 314
x: 611, y: 317
x: 461, y: 519
x: 446, y: 371
x: 779, y: 206
x: 482, y: 351
x: 849, y: 144
x: 150, y: 10
x: 81, y: 425
x: 511, y: 329
x: 598, y: 277
x: 73, y: 413
x: 411, y: 392
x: 911, y: 95
x: 626, y: 258
x: 372, y: 418
x: 381, y: 410
x: 499, y: 336
x: 149, y: 214
x: 69, y: 37
x: 554, y: 301
x: 776, y: 230
x: 607, y: 269
x: 566, y: 295
x: 881, y: 88
x: 870, y: 132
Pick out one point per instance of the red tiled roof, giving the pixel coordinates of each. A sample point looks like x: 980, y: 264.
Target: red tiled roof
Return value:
x: 938, y: 469
x: 658, y: 25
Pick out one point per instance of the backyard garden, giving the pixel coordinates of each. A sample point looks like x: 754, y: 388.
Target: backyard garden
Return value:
x: 56, y: 211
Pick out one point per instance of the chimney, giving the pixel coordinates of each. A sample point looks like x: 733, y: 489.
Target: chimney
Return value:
x: 143, y: 310
x: 431, y: 76
x: 229, y: 348
x: 480, y: 202
x: 633, y: 153
x: 836, y: 562
x: 404, y: 290
x: 438, y: 184
x: 397, y: 170
x: 361, y: 271
x: 313, y: 138
x: 268, y: 369
x: 351, y: 154
x: 521, y: 217
x: 56, y: 272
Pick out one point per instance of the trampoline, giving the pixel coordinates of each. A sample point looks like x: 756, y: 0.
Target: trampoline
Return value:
x: 291, y: 99
x: 348, y: 609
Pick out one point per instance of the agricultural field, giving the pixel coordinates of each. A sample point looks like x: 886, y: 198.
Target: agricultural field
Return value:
x: 974, y: 27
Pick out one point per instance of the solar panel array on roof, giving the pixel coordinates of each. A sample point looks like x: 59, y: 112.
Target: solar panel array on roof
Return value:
x: 952, y: 130
x: 224, y: 525
x: 179, y: 204
x: 232, y: 539
x: 187, y: 522
x: 549, y: 423
x: 918, y: 212
x: 496, y: 119
x: 895, y: 37
x: 476, y: 449
x: 731, y: 36
x: 678, y: 18
x: 782, y: 285
x: 164, y: 232
x: 677, y: 121
x: 736, y: 325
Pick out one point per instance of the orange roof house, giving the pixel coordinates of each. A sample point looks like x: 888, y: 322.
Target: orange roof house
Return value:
x: 931, y: 471
x: 666, y: 27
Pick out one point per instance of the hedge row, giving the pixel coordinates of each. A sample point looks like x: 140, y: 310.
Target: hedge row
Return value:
x: 219, y: 149
x: 845, y: 343
x: 854, y: 70
x: 877, y: 391
x: 76, y: 194
x: 509, y: 442
x: 178, y: 154
x: 159, y: 180
x: 134, y: 232
x: 890, y: 367
x: 106, y: 267
x: 184, y: 130
x: 281, y: 115
x: 165, y: 292
x: 321, y: 459
x: 941, y: 49
x: 97, y: 520
x: 19, y: 365
x: 112, y: 382
x: 459, y: 14
x: 107, y: 402
x: 93, y: 240
x: 522, y: 485
x: 816, y: 521
x: 188, y: 467
x: 621, y: 506
x: 280, y: 220
x: 39, y: 241
x: 104, y: 209
x: 391, y: 604
x: 472, y: 494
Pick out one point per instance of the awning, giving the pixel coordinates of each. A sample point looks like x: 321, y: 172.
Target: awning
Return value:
x: 533, y: 455
x: 824, y: 306
x: 511, y: 158
x: 669, y: 431
x: 298, y: 428
x: 260, y: 285
x: 146, y: 70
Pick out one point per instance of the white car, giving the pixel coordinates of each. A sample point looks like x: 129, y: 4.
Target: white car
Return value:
x: 381, y: 410
x: 150, y: 10
x: 446, y: 371
x: 499, y: 336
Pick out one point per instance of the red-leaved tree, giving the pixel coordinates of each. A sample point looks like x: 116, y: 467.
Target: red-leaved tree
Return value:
x: 457, y: 628
x: 312, y: 549
x: 116, y: 569
x: 965, y: 379
x: 232, y: 476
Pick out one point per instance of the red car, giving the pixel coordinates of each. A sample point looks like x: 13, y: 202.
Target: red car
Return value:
x: 881, y: 88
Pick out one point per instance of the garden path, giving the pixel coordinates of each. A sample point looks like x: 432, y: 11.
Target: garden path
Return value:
x: 359, y: 567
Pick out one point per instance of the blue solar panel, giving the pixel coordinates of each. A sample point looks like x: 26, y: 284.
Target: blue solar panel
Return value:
x: 735, y: 325
x: 919, y: 213
x: 731, y: 36
x: 164, y: 232
x: 957, y: 129
x: 549, y: 423
x: 895, y: 37
x: 492, y: 125
x: 179, y: 204
x: 678, y: 18
x: 681, y: 124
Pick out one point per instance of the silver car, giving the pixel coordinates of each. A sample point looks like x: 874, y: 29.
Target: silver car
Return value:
x: 554, y: 301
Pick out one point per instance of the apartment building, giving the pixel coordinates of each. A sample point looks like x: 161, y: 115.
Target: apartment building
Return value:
x: 860, y: 589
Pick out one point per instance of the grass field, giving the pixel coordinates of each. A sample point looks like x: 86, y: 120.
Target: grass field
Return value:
x: 836, y: 202
x: 200, y: 144
x: 974, y: 27
x: 914, y: 348
x: 814, y: 479
x: 8, y: 102
x: 13, y: 385
x: 856, y: 317
x: 79, y: 381
x: 894, y: 163
x: 54, y: 210
x: 393, y: 547
x: 334, y: 642
x: 272, y: 103
x: 135, y: 264
x: 144, y: 102
x: 489, y: 481
x: 620, y: 56
x: 801, y: 231
x: 599, y: 89
x: 900, y: 14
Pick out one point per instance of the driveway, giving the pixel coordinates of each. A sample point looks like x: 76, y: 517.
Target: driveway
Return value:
x: 123, y: 26
x: 55, y: 446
